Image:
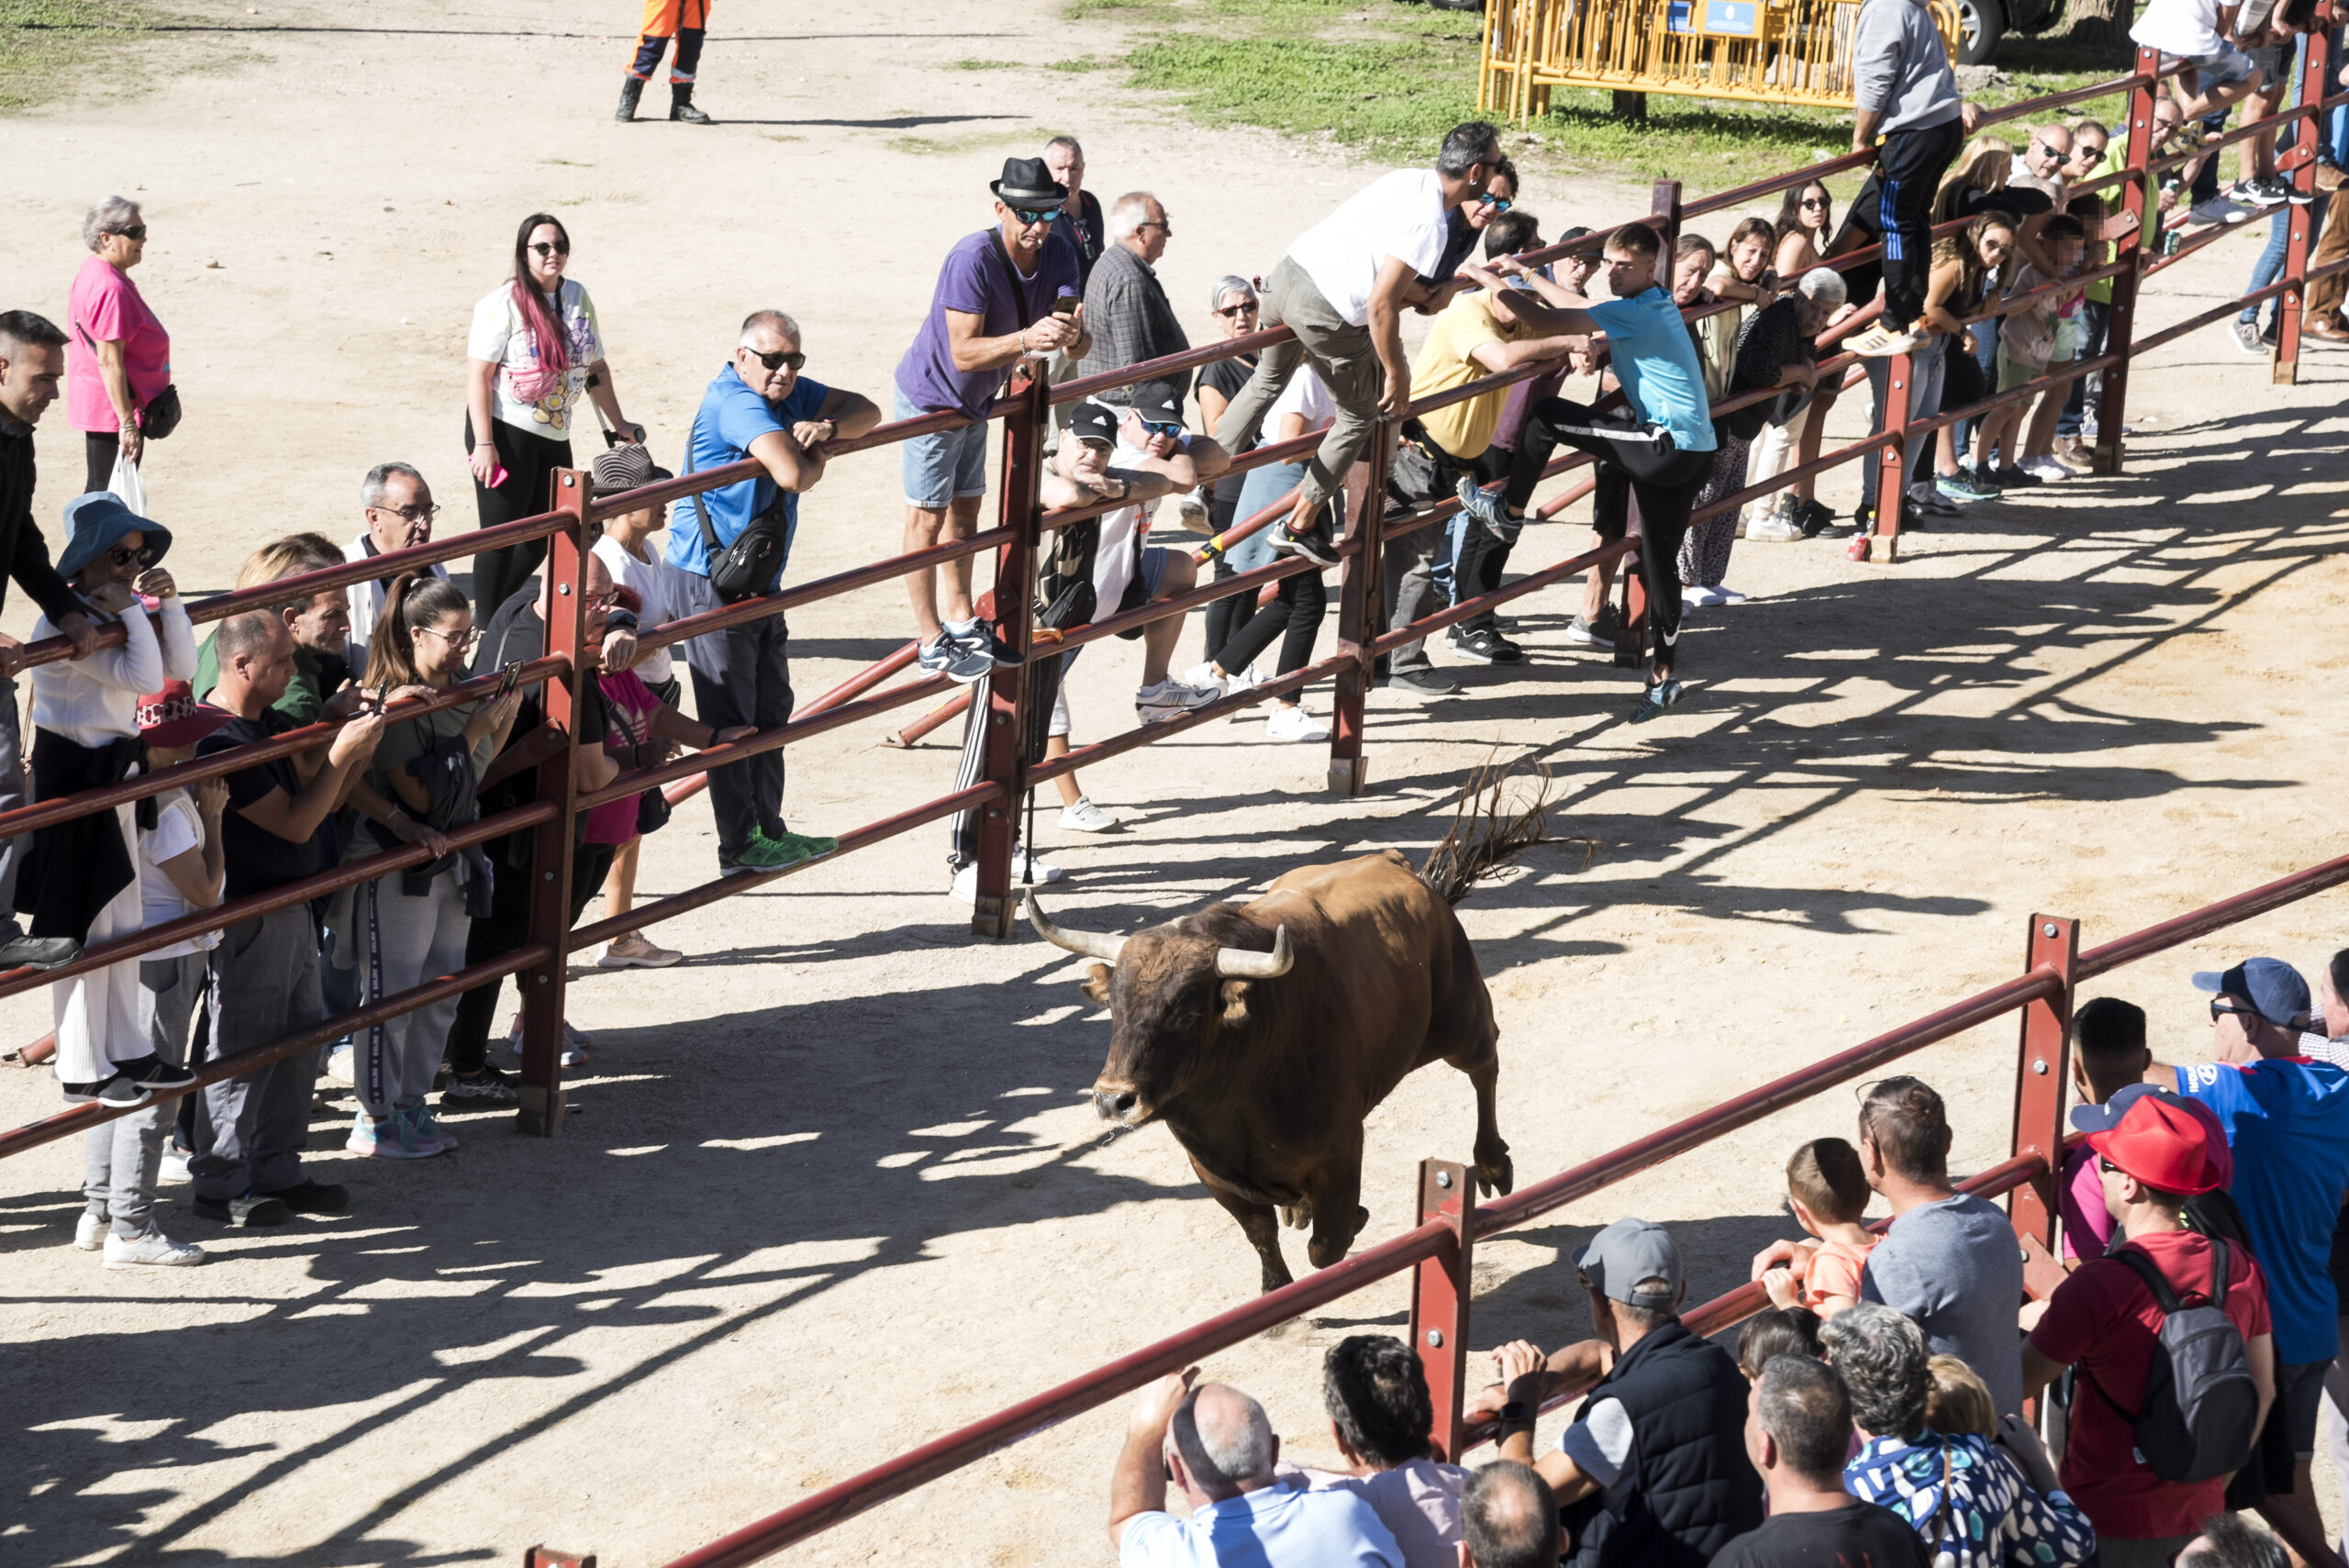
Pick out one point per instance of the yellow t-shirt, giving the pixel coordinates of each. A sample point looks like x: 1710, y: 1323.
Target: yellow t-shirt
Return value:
x: 1464, y: 429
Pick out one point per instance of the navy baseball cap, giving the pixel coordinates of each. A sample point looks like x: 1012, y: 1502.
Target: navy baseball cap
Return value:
x: 2272, y: 988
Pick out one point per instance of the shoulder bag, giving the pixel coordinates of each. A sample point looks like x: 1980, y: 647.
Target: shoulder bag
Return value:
x: 162, y: 414
x: 741, y: 570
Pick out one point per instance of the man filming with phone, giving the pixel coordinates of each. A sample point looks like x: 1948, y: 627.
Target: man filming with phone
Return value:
x: 1006, y: 294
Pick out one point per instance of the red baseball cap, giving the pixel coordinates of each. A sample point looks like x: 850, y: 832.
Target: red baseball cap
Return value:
x: 172, y: 718
x: 2163, y: 1143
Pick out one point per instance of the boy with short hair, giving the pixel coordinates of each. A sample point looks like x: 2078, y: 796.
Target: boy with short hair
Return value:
x: 1827, y: 1188
x: 2109, y: 1053
x: 1660, y: 449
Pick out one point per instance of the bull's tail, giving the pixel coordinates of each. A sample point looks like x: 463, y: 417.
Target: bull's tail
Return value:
x: 1487, y: 832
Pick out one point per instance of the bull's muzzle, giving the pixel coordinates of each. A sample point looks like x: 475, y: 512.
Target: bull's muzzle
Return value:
x: 1120, y: 1103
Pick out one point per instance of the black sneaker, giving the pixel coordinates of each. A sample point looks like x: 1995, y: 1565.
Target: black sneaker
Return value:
x: 252, y: 1210
x: 124, y: 1093
x: 1319, y: 545
x: 309, y: 1196
x: 1485, y: 646
x: 1813, y: 518
x: 19, y: 951
x: 487, y: 1087
x: 982, y: 638
x: 156, y: 1074
x: 2010, y: 477
x: 1599, y: 636
x: 960, y: 662
x: 1425, y: 683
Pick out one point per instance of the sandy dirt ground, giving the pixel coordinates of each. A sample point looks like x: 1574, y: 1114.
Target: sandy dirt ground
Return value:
x: 831, y: 1188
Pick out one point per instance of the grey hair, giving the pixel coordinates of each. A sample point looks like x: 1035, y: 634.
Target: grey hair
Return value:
x: 109, y: 217
x: 1467, y: 145
x: 1131, y: 211
x: 1225, y: 1452
x: 1068, y: 141
x: 1230, y: 282
x: 1882, y: 1358
x: 1824, y: 287
x: 779, y: 320
x: 379, y: 479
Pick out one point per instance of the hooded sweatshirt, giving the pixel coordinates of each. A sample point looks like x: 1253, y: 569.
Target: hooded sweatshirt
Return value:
x: 1900, y: 69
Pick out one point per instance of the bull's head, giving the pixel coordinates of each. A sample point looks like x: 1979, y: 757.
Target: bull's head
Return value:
x: 1169, y: 991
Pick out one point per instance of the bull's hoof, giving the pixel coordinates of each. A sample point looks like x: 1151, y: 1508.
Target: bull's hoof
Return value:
x: 1276, y: 1275
x: 1495, y: 1174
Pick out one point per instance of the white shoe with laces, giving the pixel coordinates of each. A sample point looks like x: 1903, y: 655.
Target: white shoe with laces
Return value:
x: 90, y: 1231
x: 1728, y: 597
x: 1291, y: 722
x: 1205, y: 676
x: 1172, y: 699
x: 1086, y: 817
x: 1024, y: 869
x: 152, y: 1250
x: 1701, y: 595
x: 1776, y: 528
x: 2046, y: 468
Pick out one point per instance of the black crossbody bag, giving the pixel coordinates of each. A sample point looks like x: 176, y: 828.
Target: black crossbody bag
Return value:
x: 741, y: 570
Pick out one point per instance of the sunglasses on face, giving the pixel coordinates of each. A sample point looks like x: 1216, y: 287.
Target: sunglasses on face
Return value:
x: 1171, y: 428
x: 2220, y: 1009
x: 123, y: 555
x: 1034, y: 214
x: 1499, y: 204
x: 136, y: 231
x: 560, y: 248
x: 1156, y: 222
x: 1817, y: 202
x: 778, y: 360
x: 1236, y: 311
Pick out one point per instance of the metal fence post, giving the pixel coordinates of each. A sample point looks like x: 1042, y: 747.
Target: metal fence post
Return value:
x: 2042, y: 1074
x: 2291, y: 303
x: 1360, y: 614
x: 2138, y: 198
x: 1015, y: 592
x: 1440, y: 1288
x: 542, y: 984
x: 1892, y: 458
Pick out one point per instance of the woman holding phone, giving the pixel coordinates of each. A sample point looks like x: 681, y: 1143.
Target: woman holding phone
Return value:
x: 535, y: 350
x: 412, y: 925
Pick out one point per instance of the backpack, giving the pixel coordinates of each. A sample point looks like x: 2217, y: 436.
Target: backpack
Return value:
x: 2200, y: 1415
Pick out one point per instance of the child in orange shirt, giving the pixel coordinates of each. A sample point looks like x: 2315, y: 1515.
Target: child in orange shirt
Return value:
x: 1828, y: 1192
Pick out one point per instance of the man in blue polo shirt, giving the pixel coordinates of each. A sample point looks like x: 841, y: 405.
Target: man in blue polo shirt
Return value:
x: 2287, y: 1120
x: 760, y: 407
x: 1660, y: 449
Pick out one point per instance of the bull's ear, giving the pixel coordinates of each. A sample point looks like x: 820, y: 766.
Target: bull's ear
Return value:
x: 1235, y: 1003
x: 1096, y: 985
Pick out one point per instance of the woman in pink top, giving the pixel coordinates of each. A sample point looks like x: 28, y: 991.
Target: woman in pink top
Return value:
x: 117, y: 356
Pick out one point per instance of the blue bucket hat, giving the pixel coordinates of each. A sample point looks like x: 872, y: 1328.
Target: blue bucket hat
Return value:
x: 95, y: 522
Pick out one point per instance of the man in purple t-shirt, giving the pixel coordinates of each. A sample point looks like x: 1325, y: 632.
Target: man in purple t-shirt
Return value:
x: 982, y: 323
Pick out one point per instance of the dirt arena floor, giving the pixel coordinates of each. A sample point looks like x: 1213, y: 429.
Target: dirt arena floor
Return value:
x: 831, y: 1188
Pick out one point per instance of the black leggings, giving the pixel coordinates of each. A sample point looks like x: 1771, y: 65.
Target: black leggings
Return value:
x: 530, y: 461
x: 1296, y: 619
x: 505, y: 930
x: 102, y: 446
x: 1635, y: 460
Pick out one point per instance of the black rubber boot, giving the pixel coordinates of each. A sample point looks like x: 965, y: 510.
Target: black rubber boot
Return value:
x: 632, y: 89
x: 681, y: 105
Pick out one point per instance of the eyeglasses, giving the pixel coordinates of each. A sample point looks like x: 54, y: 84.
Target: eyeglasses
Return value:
x: 424, y: 513
x: 1035, y: 214
x: 459, y: 640
x: 1158, y: 428
x: 777, y: 359
x: 2220, y: 1009
x: 1236, y: 311
x: 1156, y: 222
x: 560, y: 248
x: 136, y: 231
x: 123, y: 555
x: 1499, y: 204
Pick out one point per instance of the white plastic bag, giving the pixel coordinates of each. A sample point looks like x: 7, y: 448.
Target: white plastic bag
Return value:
x: 127, y: 486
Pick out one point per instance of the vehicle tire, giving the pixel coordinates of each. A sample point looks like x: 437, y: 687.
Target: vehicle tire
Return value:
x: 1981, y: 25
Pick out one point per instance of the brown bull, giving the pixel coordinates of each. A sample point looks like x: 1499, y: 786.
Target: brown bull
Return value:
x: 1261, y: 1034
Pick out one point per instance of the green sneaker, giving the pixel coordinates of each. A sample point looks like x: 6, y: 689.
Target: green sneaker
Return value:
x: 795, y: 847
x: 762, y: 853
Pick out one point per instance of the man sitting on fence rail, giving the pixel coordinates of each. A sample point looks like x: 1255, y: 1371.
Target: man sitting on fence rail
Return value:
x: 1904, y: 89
x: 1380, y: 1414
x: 1214, y: 1445
x: 1654, y: 1467
x: 1340, y: 289
x: 999, y: 300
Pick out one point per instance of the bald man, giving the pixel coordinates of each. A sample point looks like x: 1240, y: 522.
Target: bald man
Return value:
x: 1216, y: 1446
x: 1509, y: 1519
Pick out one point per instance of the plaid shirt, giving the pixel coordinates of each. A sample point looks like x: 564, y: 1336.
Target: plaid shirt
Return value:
x: 1127, y: 312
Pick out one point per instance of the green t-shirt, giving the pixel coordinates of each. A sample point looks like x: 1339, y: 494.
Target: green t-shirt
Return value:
x: 305, y: 693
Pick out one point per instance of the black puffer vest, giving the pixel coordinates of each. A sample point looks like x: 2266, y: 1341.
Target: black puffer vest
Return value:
x: 1687, y: 1489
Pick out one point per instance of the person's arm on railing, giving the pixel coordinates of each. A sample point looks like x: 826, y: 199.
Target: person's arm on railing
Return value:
x: 1138, y: 1484
x: 295, y: 817
x: 1529, y: 1384
x: 845, y: 415
x: 393, y: 816
x: 32, y: 571
x: 198, y: 874
x: 1388, y: 294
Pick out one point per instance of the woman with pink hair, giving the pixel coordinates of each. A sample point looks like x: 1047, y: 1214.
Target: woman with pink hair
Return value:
x: 535, y: 351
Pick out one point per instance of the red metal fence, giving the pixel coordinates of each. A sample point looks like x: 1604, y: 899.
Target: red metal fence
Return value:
x: 1437, y: 1246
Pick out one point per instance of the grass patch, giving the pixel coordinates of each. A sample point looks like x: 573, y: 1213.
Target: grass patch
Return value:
x: 1387, y: 80
x: 976, y: 141
x: 1078, y: 65
x: 44, y: 42
x: 985, y: 65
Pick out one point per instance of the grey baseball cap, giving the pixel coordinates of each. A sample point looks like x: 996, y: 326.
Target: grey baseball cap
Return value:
x: 1627, y: 1253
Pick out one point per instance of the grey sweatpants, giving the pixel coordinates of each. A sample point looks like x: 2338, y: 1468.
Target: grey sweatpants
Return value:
x: 1407, y: 583
x: 414, y: 939
x: 121, y: 1158
x: 251, y: 1129
x: 1341, y: 355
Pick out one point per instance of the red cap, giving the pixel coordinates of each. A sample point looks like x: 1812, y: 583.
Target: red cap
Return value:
x: 173, y: 717
x: 2162, y: 1143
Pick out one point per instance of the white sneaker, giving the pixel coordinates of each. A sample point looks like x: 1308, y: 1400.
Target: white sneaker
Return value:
x: 1172, y: 699
x: 90, y: 1231
x: 2047, y: 468
x: 1776, y: 528
x: 152, y: 1250
x: 1701, y: 595
x: 1206, y: 676
x: 339, y: 1062
x: 174, y: 1165
x: 1288, y: 722
x: 1191, y: 512
x: 2219, y: 209
x: 1247, y: 680
x: 1024, y: 869
x: 1086, y: 817
x: 1728, y: 597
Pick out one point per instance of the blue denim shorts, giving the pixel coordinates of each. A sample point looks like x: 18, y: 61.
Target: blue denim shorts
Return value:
x: 2223, y: 69
x: 938, y: 469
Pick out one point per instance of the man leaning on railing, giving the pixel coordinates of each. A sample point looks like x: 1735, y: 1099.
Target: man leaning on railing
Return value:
x: 32, y: 363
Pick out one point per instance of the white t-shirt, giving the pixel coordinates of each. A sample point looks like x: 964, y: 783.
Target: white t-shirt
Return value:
x: 2189, y: 28
x: 366, y: 602
x: 1123, y: 531
x: 499, y: 337
x: 1398, y: 215
x: 177, y: 831
x: 1600, y: 1443
x: 1304, y: 394
x: 654, y: 582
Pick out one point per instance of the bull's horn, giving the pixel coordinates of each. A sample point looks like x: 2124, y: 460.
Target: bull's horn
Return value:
x: 1241, y: 964
x: 1092, y: 944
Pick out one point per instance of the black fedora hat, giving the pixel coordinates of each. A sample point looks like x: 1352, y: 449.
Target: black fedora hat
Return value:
x: 1027, y: 182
